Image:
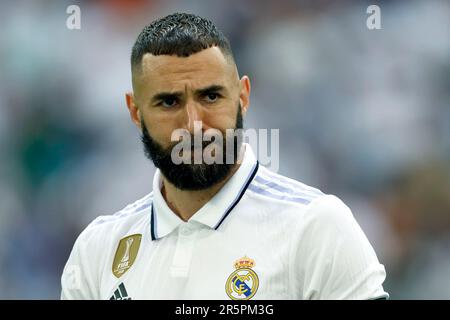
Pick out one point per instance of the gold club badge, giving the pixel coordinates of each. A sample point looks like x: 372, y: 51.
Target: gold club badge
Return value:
x: 243, y: 283
x: 126, y: 254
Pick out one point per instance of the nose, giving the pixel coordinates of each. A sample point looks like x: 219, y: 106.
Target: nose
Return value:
x: 193, y: 114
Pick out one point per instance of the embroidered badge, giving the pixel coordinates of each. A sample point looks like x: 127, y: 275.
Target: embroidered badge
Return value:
x: 243, y: 283
x: 126, y: 254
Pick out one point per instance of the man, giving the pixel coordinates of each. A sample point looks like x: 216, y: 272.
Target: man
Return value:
x: 222, y: 230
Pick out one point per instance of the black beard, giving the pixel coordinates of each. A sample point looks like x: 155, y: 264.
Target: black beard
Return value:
x: 191, y: 176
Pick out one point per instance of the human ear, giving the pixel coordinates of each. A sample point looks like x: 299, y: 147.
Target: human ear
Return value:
x: 244, y: 93
x: 135, y: 115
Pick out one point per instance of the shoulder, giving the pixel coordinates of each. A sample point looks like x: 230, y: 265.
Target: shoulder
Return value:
x: 329, y: 209
x: 108, y: 227
x: 303, y: 205
x: 274, y: 187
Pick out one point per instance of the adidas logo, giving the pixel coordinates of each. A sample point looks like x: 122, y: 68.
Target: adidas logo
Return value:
x: 120, y: 293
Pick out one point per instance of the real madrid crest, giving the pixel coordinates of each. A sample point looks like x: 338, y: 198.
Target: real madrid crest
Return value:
x: 126, y: 254
x: 243, y: 283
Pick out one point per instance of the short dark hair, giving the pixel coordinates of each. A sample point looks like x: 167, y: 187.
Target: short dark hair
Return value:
x: 180, y: 34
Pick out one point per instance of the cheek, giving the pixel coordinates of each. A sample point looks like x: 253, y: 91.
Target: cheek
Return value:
x: 221, y: 122
x: 160, y: 128
x: 221, y: 118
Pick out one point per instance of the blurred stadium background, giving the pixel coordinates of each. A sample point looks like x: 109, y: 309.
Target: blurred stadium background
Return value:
x: 362, y: 114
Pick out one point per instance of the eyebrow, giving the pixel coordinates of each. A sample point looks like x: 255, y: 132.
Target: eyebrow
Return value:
x: 210, y: 89
x: 177, y: 95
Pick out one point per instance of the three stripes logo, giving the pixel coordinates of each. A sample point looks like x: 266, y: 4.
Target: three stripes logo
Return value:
x: 120, y: 293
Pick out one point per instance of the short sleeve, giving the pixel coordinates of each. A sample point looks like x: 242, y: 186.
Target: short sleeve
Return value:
x: 79, y: 280
x: 331, y: 257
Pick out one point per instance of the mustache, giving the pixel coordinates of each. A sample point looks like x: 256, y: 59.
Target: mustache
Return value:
x: 193, y: 144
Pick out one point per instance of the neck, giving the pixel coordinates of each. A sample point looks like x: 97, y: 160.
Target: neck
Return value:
x: 185, y: 203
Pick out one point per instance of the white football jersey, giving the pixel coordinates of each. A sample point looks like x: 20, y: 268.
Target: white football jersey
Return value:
x: 262, y: 236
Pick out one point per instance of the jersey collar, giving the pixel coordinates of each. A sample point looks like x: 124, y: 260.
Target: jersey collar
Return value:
x: 215, y: 211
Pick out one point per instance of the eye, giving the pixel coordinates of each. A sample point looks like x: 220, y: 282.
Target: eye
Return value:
x: 168, y: 102
x: 211, y: 97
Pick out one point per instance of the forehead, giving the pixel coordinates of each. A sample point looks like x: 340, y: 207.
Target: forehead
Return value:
x: 170, y: 72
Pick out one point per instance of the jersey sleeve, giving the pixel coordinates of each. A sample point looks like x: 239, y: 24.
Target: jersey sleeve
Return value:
x: 331, y: 257
x: 79, y: 280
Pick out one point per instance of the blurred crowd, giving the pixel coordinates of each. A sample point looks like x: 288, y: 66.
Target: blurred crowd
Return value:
x: 363, y: 114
